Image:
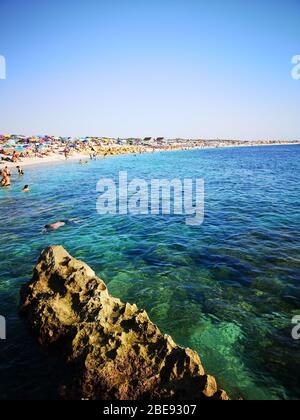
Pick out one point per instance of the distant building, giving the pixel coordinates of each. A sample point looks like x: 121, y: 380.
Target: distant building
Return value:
x: 160, y: 139
x: 148, y: 139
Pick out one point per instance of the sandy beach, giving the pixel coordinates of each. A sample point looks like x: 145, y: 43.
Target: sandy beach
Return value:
x: 56, y: 158
x: 139, y: 146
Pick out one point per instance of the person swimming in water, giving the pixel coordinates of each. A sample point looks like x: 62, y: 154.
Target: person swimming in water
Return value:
x: 59, y: 224
x: 55, y: 226
x: 20, y: 171
x: 5, y: 182
x: 6, y: 171
x: 26, y: 188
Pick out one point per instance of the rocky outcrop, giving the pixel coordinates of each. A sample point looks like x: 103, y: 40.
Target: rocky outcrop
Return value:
x: 113, y: 348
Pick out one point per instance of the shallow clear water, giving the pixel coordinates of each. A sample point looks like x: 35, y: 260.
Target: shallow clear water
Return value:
x: 227, y: 289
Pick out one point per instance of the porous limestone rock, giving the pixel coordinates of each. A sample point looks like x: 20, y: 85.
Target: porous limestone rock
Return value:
x: 113, y: 348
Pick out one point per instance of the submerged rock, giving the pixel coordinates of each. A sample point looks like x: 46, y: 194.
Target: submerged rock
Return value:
x: 115, y: 351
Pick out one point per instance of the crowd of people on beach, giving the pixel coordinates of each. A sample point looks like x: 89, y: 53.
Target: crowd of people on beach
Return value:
x: 18, y: 148
x: 16, y: 158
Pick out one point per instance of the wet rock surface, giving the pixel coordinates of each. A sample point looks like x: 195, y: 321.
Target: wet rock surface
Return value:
x: 114, y: 350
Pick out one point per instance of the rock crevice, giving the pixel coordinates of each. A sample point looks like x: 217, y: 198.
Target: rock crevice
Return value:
x: 114, y: 348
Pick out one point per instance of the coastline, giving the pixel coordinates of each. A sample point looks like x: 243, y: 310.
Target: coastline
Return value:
x: 59, y: 158
x: 25, y: 162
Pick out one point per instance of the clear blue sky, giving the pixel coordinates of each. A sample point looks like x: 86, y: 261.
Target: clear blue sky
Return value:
x: 186, y: 68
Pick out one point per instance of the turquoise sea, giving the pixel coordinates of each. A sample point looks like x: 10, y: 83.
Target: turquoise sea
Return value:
x: 228, y: 288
